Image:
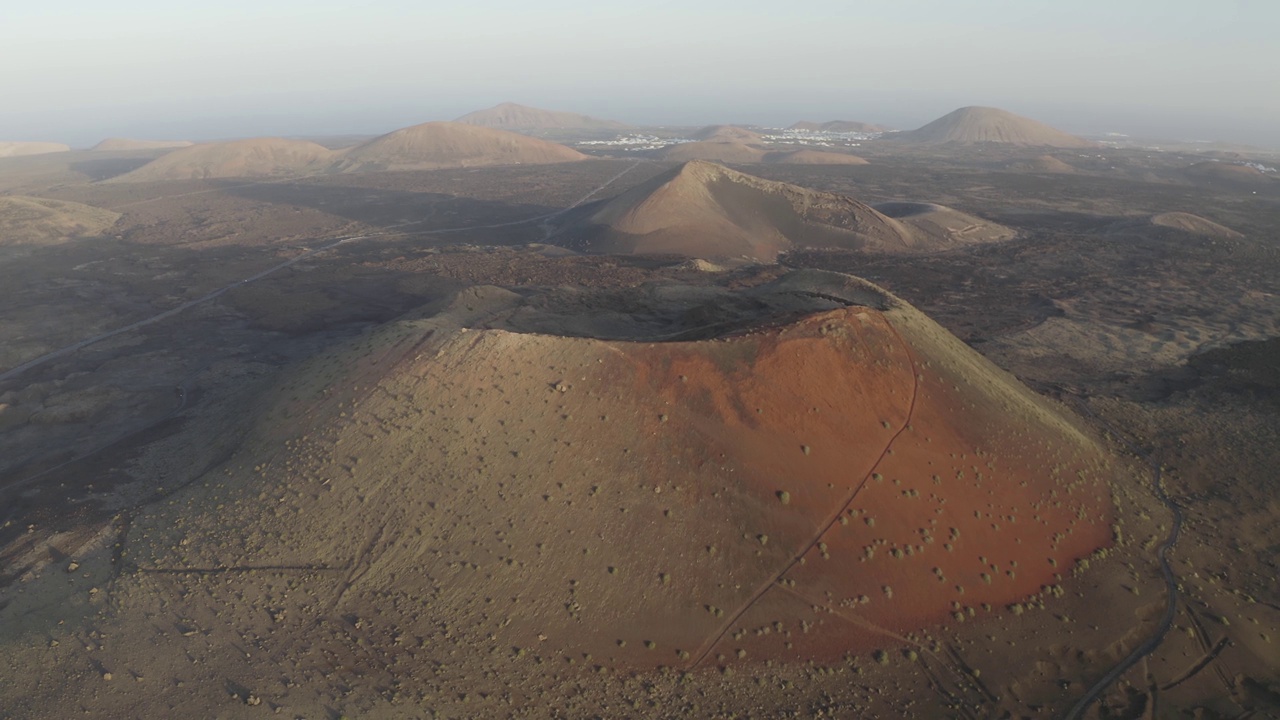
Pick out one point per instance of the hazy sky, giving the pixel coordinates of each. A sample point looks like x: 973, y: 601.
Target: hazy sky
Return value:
x: 79, y: 70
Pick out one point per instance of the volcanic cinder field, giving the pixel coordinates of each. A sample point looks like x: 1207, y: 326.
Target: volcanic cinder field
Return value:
x: 491, y: 418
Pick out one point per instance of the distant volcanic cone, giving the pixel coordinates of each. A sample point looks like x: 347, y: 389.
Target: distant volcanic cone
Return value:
x: 973, y: 125
x: 706, y: 210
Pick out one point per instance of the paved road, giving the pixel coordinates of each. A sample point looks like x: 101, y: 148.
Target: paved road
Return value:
x: 1171, y: 584
x: 64, y: 351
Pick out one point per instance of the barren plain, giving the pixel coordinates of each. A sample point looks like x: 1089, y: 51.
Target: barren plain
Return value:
x: 390, y: 444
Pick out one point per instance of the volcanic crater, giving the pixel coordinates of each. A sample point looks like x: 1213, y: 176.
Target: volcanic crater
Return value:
x: 823, y: 471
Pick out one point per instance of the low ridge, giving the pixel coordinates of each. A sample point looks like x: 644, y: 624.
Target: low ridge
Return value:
x: 1043, y: 164
x: 14, y: 149
x: 115, y: 144
x: 838, y: 126
x: 814, y: 157
x: 726, y: 133
x: 1229, y: 174
x: 945, y: 227
x: 255, y: 157
x: 719, y: 151
x: 451, y: 144
x: 1195, y: 225
x: 510, y: 116
x: 713, y: 151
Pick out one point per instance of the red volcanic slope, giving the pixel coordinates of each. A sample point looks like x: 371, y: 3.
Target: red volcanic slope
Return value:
x: 909, y: 488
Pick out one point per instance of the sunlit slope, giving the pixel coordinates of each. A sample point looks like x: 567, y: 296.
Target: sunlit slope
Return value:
x: 255, y: 157
x: 451, y: 144
x: 40, y: 221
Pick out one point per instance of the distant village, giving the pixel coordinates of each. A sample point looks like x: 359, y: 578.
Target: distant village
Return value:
x: 816, y: 138
x: 639, y: 141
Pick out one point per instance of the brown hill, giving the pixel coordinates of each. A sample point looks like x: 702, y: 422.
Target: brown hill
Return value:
x: 14, y: 149
x: 510, y: 116
x: 1194, y: 224
x: 256, y: 157
x: 943, y: 227
x: 446, y: 144
x: 38, y: 221
x: 1229, y: 174
x: 111, y: 144
x: 1042, y: 164
x: 739, y: 152
x: 838, y: 126
x: 511, y: 495
x: 726, y: 133
x: 706, y: 210
x: 973, y: 125
x: 814, y: 157
x: 712, y: 150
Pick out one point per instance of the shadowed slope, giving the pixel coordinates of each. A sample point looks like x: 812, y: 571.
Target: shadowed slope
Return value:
x: 972, y: 125
x: 445, y: 145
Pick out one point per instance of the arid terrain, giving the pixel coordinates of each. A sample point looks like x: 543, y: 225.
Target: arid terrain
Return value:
x: 457, y: 422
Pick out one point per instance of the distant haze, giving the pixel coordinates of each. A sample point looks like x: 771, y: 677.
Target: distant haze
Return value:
x: 82, y: 70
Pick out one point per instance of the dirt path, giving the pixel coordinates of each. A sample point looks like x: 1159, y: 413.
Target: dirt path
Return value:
x: 1171, y: 584
x: 710, y: 643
